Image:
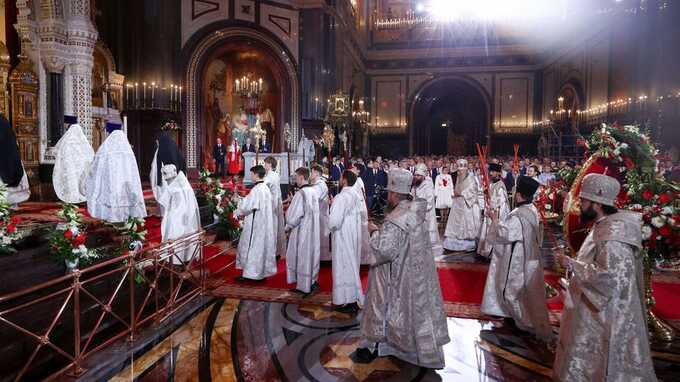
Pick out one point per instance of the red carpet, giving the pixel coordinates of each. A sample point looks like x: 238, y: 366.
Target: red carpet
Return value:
x: 464, y: 286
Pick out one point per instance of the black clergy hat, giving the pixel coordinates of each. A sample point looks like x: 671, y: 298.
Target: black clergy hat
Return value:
x: 527, y: 186
x: 495, y: 167
x: 70, y: 119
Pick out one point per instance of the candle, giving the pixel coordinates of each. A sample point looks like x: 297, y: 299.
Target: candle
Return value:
x: 180, y: 99
x: 144, y: 94
x: 153, y: 91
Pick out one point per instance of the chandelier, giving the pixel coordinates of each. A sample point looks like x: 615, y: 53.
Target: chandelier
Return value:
x: 245, y: 87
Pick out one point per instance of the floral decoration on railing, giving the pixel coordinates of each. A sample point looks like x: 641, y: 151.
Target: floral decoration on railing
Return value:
x: 134, y: 233
x: 68, y: 240
x: 223, y: 202
x: 643, y: 190
x: 9, y: 230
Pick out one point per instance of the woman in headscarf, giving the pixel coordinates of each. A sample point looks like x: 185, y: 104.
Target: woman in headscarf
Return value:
x: 112, y: 187
x: 167, y: 152
x: 12, y: 174
x: 74, y: 155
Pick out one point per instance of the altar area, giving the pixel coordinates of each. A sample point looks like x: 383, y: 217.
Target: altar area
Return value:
x: 286, y: 162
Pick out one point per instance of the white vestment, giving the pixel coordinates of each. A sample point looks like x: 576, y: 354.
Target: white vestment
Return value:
x: 256, y: 253
x: 425, y: 191
x: 273, y: 181
x: 306, y: 149
x: 443, y: 191
x: 325, y: 235
x: 112, y: 187
x: 303, y: 254
x: 345, y: 225
x: 465, y: 217
x: 499, y: 202
x: 20, y: 193
x: 153, y: 178
x: 181, y: 216
x: 74, y: 155
x: 366, y: 252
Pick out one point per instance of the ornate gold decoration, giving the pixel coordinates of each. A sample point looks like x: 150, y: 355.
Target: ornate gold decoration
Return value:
x: 23, y: 82
x: 658, y: 329
x: 4, y: 76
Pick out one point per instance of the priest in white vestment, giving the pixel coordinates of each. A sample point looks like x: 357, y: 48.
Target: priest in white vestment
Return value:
x: 273, y: 181
x: 302, y: 222
x: 256, y: 254
x: 74, y: 154
x: 360, y: 190
x: 443, y: 192
x: 499, y: 203
x: 423, y: 188
x: 465, y: 218
x: 603, y: 330
x: 167, y: 152
x: 12, y: 173
x: 515, y: 287
x: 181, y: 216
x: 345, y: 226
x: 112, y: 186
x: 318, y: 183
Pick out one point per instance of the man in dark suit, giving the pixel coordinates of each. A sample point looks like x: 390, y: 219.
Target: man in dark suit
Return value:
x: 433, y: 168
x: 369, y: 177
x: 336, y: 170
x: 248, y: 147
x: 219, y: 153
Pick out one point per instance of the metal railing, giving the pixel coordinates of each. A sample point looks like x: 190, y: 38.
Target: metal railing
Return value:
x: 97, y: 305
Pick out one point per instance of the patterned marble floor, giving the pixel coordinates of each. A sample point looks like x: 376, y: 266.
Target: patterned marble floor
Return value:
x: 232, y: 340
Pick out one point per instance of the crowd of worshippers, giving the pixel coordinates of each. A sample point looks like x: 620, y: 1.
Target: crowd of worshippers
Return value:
x: 402, y: 311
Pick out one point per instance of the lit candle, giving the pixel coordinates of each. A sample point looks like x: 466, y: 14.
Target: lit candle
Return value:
x: 153, y: 92
x: 180, y: 99
x: 136, y: 93
x: 237, y: 86
x: 144, y: 94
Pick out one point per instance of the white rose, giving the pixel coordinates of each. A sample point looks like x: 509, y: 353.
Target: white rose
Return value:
x: 667, y: 210
x: 636, y: 206
x: 658, y: 221
x: 623, y: 145
x: 74, y: 229
x: 646, y: 232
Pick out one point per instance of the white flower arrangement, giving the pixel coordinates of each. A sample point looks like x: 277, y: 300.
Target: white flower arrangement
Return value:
x: 658, y: 221
x: 646, y: 232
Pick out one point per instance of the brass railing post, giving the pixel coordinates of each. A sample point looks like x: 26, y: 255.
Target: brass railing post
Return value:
x: 131, y: 280
x: 77, y: 370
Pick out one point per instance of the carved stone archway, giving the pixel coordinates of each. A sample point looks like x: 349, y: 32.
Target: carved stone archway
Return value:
x: 198, y: 52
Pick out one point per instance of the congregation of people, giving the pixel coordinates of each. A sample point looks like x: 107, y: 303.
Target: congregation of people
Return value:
x: 402, y: 307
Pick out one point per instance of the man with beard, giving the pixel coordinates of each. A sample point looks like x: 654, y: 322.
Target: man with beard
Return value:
x: 423, y: 188
x: 302, y: 222
x: 603, y: 333
x: 514, y: 285
x: 465, y: 217
x: 318, y: 183
x: 273, y: 180
x: 404, y: 315
x: 499, y: 203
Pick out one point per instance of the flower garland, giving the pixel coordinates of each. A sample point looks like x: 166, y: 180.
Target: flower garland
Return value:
x: 134, y: 232
x: 631, y: 151
x: 9, y: 233
x: 222, y: 204
x: 68, y: 239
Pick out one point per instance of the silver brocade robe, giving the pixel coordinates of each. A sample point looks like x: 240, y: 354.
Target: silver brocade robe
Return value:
x: 302, y: 256
x: 181, y: 216
x: 425, y: 191
x: 465, y: 217
x: 404, y: 310
x: 345, y: 225
x: 499, y: 202
x: 273, y: 181
x: 256, y: 254
x: 515, y: 285
x: 325, y: 235
x: 603, y: 333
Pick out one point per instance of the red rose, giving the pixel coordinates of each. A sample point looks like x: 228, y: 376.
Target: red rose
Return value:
x: 68, y: 234
x: 647, y: 195
x: 15, y: 220
x: 11, y: 228
x: 79, y: 240
x: 665, y: 231
x: 665, y: 198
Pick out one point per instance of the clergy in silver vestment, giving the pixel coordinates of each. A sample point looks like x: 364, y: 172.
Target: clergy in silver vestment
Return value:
x: 302, y: 221
x: 603, y: 332
x: 318, y: 183
x: 345, y: 225
x: 256, y: 253
x: 112, y: 186
x: 74, y: 154
x: 465, y: 217
x: 515, y: 287
x: 273, y: 181
x: 360, y: 190
x: 167, y: 152
x: 423, y: 188
x: 403, y: 315
x: 12, y: 173
x: 499, y: 203
x: 181, y: 217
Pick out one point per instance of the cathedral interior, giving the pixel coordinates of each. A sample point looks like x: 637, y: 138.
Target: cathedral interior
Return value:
x: 309, y: 81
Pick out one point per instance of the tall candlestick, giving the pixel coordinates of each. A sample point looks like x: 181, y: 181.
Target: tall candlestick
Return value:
x: 144, y: 94
x: 136, y: 94
x: 153, y: 92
